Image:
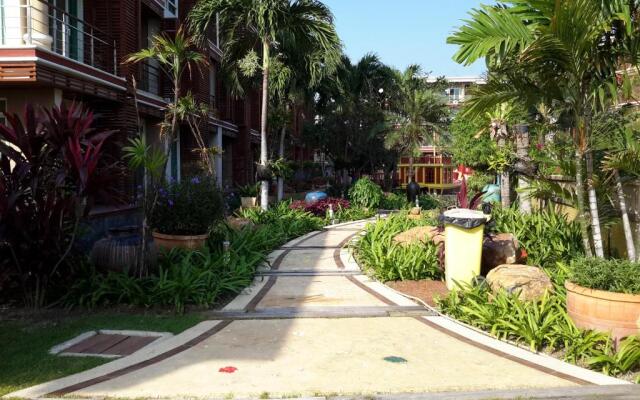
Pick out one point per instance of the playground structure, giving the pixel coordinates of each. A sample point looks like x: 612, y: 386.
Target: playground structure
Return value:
x: 433, y: 170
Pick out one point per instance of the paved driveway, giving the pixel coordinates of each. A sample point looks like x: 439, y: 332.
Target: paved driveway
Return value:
x: 312, y: 325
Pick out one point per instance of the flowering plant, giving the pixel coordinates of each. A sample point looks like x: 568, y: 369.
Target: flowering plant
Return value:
x: 188, y: 207
x: 320, y: 207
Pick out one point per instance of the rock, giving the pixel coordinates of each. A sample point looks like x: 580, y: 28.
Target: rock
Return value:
x: 419, y: 234
x: 499, y: 249
x: 238, y: 224
x: 415, y: 211
x: 530, y: 282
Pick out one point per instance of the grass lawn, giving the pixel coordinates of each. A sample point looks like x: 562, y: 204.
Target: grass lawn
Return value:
x: 25, y: 340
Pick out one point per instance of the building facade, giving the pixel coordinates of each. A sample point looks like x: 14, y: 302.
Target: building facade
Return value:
x: 59, y: 51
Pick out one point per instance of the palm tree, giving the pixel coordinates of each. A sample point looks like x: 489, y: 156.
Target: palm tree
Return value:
x: 270, y: 25
x: 561, y: 53
x: 624, y: 155
x: 417, y: 116
x: 175, y: 56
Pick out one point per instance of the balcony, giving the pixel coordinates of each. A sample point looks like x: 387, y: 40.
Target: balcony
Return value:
x: 41, y: 24
x: 150, y: 78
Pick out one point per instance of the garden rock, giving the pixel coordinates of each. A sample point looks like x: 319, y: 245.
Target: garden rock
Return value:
x: 419, y: 234
x: 530, y: 282
x: 415, y: 213
x: 499, y: 249
x: 238, y: 224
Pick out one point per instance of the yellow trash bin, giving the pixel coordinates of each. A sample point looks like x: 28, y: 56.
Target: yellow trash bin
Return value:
x: 464, y: 232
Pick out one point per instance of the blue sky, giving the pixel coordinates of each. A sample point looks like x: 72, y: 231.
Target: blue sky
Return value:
x: 403, y: 32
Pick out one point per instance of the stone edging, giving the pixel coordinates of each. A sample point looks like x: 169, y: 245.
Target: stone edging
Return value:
x: 482, y: 339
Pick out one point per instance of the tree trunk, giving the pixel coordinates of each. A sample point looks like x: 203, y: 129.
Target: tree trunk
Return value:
x: 593, y: 209
x: 264, y: 185
x: 522, y: 151
x: 505, y: 178
x: 626, y: 224
x: 411, y: 173
x: 582, y: 214
x: 281, y: 155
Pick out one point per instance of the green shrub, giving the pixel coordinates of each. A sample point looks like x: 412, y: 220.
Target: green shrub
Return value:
x: 188, y: 207
x: 542, y: 324
x: 353, y: 214
x: 365, y: 193
x: 394, y: 201
x: 619, y: 276
x: 202, y: 277
x: 547, y: 237
x: 388, y: 261
x: 429, y: 202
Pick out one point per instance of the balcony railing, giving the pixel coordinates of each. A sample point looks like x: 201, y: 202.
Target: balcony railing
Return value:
x: 150, y: 78
x: 43, y: 24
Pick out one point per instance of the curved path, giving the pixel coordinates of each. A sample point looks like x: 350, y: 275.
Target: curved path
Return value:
x: 313, y: 324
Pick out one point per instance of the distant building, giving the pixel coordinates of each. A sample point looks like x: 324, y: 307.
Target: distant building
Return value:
x: 458, y: 90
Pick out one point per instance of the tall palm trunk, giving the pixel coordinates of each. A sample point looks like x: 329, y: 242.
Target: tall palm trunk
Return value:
x: 505, y: 177
x: 626, y: 223
x: 582, y: 214
x: 281, y: 155
x: 264, y: 185
x: 522, y: 151
x: 593, y: 209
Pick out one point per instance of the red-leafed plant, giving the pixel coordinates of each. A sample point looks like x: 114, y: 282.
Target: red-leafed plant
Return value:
x: 463, y: 197
x: 51, y: 169
x: 320, y: 207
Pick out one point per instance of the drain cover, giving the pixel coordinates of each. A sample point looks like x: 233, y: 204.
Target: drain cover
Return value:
x: 109, y: 344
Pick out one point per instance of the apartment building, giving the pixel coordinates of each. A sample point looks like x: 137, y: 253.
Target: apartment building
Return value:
x: 73, y: 50
x: 458, y: 88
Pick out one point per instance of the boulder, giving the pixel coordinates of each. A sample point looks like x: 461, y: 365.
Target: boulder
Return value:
x: 530, y: 282
x: 415, y: 211
x: 499, y: 249
x: 419, y: 234
x: 238, y: 224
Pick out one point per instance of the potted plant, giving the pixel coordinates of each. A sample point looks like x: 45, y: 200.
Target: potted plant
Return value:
x: 249, y: 194
x: 184, y: 212
x: 604, y: 295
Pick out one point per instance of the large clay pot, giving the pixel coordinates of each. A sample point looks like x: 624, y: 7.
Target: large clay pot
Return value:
x: 603, y: 311
x: 120, y: 251
x: 248, y: 202
x: 169, y: 242
x: 413, y: 190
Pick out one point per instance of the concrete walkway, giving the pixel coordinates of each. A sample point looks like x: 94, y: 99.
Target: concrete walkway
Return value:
x: 313, y: 325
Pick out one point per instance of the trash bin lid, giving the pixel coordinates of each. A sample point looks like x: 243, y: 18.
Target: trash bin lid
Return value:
x: 464, y: 218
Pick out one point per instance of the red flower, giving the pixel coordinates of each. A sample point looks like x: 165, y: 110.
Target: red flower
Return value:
x: 523, y: 253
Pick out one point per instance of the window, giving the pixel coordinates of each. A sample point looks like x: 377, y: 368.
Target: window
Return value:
x: 171, y: 9
x: 454, y: 94
x: 3, y: 109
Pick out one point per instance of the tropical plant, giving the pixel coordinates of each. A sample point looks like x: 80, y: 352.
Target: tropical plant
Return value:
x: 417, y: 117
x: 276, y: 25
x: 623, y: 155
x: 320, y: 207
x: 52, y: 169
x: 625, y: 359
x: 365, y: 193
x: 176, y: 57
x: 189, y: 207
x: 199, y: 278
x: 350, y: 127
x: 249, y: 190
x: 564, y: 54
x: 378, y: 253
x: 546, y: 236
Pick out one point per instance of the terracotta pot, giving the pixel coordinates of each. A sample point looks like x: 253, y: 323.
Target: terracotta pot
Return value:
x: 169, y: 242
x: 248, y: 202
x: 599, y: 310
